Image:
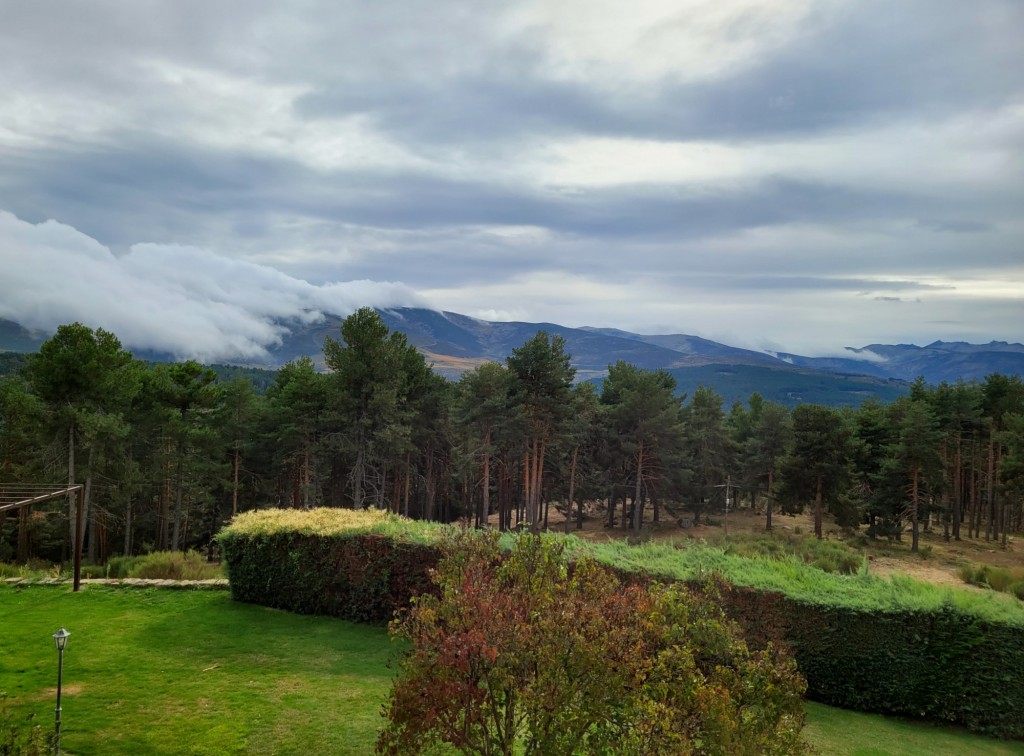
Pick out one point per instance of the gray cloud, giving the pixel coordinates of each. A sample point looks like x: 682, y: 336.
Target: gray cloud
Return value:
x: 871, y: 151
x: 954, y: 226
x: 870, y: 61
x: 101, y: 187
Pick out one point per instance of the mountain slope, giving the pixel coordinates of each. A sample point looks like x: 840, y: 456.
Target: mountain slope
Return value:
x: 695, y: 346
x: 15, y: 338
x: 454, y: 343
x: 444, y: 335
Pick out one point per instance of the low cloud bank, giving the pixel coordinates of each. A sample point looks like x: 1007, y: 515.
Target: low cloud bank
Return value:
x: 185, y: 301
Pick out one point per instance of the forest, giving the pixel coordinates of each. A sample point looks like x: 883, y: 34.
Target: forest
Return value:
x: 168, y: 453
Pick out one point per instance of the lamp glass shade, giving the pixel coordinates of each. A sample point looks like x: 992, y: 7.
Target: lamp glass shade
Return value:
x: 61, y: 638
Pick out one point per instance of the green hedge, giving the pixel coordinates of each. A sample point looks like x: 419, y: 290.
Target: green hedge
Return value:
x: 862, y: 643
x: 940, y: 664
x: 363, y: 577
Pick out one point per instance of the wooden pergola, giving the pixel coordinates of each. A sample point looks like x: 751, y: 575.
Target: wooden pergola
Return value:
x: 21, y: 495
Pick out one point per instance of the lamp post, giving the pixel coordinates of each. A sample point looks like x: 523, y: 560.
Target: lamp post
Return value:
x: 60, y: 638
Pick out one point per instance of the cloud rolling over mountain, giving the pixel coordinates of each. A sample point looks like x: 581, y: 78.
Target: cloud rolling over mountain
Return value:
x: 183, y: 301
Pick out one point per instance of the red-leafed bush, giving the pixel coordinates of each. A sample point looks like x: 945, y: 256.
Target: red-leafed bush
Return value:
x: 522, y: 652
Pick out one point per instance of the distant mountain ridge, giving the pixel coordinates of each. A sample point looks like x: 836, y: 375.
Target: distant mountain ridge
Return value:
x: 937, y: 362
x: 454, y: 343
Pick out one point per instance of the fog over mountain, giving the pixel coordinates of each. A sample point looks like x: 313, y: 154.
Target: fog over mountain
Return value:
x: 182, y: 301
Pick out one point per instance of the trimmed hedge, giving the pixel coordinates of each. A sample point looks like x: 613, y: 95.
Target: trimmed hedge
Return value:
x: 350, y: 572
x: 930, y: 654
x: 942, y: 664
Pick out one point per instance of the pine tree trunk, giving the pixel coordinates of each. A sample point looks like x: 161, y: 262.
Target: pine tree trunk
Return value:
x: 177, y: 506
x: 975, y: 530
x: 430, y: 482
x: 975, y: 494
x: 504, y: 492
x: 22, y: 534
x: 538, y: 484
x: 958, y: 483
x: 638, y: 510
x: 818, y: 509
x: 915, y: 535
x: 72, y: 520
x: 768, y: 515
x: 1000, y: 499
x: 572, y: 488
x: 128, y: 526
x: 234, y: 484
x: 485, y: 499
x: 521, y: 508
x: 305, y: 477
x: 408, y: 480
x: 88, y: 516
x: 165, y: 499
x: 357, y: 480
x: 990, y: 504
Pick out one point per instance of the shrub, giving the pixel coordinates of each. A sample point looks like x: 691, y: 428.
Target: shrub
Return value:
x: 967, y: 573
x: 497, y: 665
x: 997, y: 578
x: 23, y: 738
x: 11, y: 570
x: 121, y: 566
x: 173, y: 565
x: 1017, y: 589
x: 92, y: 571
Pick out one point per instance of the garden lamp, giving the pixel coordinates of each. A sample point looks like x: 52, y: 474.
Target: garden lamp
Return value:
x: 60, y: 638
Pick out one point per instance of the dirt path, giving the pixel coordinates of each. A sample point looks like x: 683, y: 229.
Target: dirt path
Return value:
x: 926, y: 573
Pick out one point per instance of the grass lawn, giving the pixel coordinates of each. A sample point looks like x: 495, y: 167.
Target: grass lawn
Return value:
x: 838, y: 732
x: 180, y: 672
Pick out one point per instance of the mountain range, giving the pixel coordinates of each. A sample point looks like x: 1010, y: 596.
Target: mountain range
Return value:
x: 453, y: 343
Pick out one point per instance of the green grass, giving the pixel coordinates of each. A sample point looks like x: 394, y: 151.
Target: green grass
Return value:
x: 838, y: 732
x: 828, y: 556
x: 193, y: 672
x: 801, y: 582
x: 183, y: 672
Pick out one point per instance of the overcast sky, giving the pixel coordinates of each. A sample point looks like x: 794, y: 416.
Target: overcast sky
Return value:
x: 799, y: 175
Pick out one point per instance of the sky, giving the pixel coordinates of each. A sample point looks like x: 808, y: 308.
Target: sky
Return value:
x: 792, y: 175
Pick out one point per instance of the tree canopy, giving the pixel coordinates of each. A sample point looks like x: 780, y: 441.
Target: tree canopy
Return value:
x: 168, y: 452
